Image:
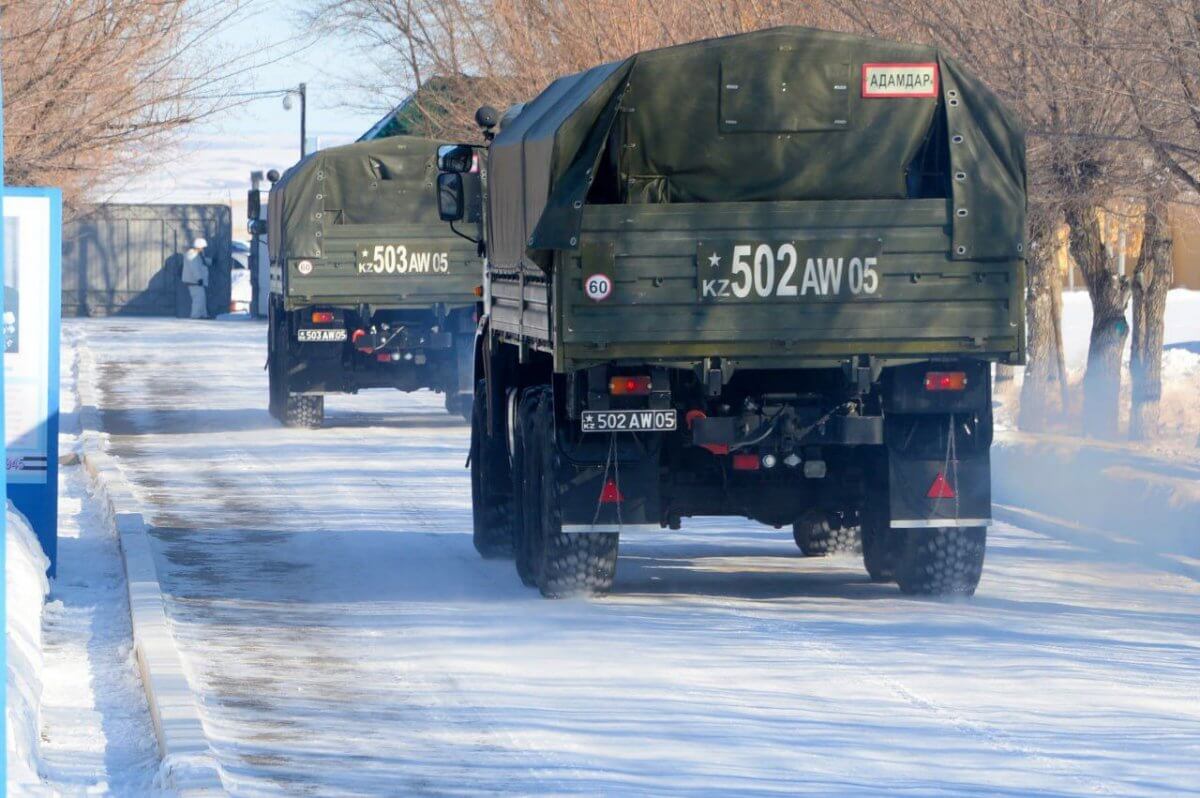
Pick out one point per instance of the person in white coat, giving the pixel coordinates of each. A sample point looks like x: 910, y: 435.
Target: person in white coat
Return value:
x: 195, y: 277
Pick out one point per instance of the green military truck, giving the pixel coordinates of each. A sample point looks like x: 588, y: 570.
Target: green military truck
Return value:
x: 369, y: 288
x: 764, y: 276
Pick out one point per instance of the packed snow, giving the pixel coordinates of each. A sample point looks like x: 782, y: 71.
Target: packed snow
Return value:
x: 344, y: 638
x: 25, y: 588
x: 77, y: 716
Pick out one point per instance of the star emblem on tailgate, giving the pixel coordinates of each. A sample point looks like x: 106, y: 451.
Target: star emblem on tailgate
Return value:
x: 715, y: 260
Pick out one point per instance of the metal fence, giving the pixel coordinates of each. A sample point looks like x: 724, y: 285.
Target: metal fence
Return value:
x: 127, y: 259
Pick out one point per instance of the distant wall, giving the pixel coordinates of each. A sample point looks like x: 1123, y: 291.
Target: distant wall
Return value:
x: 126, y: 259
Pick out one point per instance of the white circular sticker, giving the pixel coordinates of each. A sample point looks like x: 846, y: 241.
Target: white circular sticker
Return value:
x: 304, y: 267
x: 597, y: 287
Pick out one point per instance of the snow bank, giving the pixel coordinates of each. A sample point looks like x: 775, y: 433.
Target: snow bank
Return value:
x: 26, y: 587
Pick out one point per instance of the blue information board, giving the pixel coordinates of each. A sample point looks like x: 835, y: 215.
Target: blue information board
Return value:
x: 32, y: 300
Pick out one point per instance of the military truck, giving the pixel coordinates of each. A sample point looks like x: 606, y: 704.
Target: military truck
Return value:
x: 763, y: 276
x: 369, y: 288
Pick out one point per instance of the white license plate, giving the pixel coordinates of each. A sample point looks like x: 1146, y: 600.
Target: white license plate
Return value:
x: 628, y: 421
x: 321, y: 335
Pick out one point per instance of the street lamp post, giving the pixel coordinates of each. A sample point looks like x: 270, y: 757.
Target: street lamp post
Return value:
x: 301, y: 90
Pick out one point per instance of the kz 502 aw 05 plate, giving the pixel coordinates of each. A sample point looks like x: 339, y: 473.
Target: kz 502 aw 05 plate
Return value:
x: 628, y: 421
x: 803, y: 269
x: 321, y: 335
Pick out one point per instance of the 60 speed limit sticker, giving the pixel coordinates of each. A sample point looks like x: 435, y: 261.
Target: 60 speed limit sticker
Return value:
x: 598, y: 287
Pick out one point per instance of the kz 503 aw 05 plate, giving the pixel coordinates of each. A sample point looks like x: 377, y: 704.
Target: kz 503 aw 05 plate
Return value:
x: 321, y: 336
x: 399, y: 259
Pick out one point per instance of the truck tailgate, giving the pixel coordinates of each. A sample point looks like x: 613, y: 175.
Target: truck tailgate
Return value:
x: 814, y: 279
x: 389, y: 265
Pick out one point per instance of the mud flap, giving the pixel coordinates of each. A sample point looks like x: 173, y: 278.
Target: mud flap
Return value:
x: 464, y: 362
x: 940, y: 493
x: 621, y: 497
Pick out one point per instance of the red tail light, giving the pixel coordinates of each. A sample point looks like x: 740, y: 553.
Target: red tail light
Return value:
x: 945, y: 380
x: 322, y: 317
x: 940, y: 489
x: 745, y: 462
x: 629, y: 386
x: 383, y: 357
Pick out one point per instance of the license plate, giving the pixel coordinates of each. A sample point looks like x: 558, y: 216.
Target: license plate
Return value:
x: 801, y: 269
x: 321, y: 335
x: 628, y: 421
x: 400, y: 259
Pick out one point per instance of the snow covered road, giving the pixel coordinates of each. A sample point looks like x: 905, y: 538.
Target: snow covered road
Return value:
x: 344, y: 638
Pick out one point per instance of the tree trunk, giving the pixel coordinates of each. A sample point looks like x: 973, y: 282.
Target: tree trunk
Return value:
x: 1039, y: 393
x: 1151, y: 280
x: 1109, y: 292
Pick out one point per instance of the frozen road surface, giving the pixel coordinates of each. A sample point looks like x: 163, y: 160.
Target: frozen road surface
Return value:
x: 344, y: 638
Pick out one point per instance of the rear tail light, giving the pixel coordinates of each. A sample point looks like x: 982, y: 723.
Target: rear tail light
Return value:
x: 322, y: 316
x: 383, y: 357
x: 945, y: 380
x: 629, y: 386
x: 745, y: 462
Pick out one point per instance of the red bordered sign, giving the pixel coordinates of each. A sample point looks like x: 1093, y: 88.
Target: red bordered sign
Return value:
x: 900, y: 80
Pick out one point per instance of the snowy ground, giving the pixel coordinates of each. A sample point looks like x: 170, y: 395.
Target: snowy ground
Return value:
x: 89, y: 718
x: 344, y: 638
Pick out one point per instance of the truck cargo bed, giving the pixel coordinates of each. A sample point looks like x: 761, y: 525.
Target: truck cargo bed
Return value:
x: 924, y: 303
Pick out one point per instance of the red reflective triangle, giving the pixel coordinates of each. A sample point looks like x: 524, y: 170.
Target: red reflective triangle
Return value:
x: 940, y: 489
x: 611, y: 494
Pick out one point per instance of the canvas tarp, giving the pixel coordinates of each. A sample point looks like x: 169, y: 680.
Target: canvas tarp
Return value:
x: 766, y: 116
x: 390, y: 180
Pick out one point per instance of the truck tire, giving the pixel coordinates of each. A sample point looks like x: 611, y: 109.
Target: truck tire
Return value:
x: 306, y: 412
x: 459, y: 405
x: 491, y: 499
x: 881, y: 545
x: 817, y: 535
x: 274, y: 381
x: 941, y: 562
x: 574, y: 564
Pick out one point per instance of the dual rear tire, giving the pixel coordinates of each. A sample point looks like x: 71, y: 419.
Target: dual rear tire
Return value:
x: 294, y: 410
x: 558, y: 564
x: 945, y: 561
x: 818, y: 534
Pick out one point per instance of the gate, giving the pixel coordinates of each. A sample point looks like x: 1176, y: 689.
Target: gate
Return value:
x: 127, y: 259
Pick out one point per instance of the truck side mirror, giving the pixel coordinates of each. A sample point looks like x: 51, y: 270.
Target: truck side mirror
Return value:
x: 457, y: 158
x: 450, y: 196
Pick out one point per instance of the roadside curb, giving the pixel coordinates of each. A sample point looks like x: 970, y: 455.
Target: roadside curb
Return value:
x: 188, y: 765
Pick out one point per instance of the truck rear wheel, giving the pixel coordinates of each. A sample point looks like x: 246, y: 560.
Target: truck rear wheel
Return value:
x: 568, y: 564
x: 817, y: 534
x: 491, y: 498
x: 941, y: 562
x: 307, y: 412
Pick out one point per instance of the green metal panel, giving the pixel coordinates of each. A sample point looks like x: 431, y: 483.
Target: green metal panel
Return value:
x: 926, y: 303
x: 408, y: 277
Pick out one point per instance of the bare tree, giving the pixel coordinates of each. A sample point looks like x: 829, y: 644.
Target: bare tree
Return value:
x: 96, y: 88
x: 1151, y: 279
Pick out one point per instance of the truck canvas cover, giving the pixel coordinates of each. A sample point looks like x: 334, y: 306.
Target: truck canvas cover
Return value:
x: 787, y: 114
x: 337, y: 206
